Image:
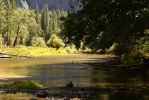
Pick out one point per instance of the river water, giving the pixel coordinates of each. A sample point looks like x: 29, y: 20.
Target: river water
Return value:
x: 59, y: 70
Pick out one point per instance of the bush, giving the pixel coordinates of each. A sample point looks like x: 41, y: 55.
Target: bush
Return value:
x: 38, y: 42
x: 113, y: 48
x: 55, y: 42
x: 142, y: 46
x: 145, y: 47
x: 71, y: 49
x: 131, y: 58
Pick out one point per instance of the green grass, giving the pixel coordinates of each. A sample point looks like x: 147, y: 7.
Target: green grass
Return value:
x: 25, y: 85
x: 34, y: 51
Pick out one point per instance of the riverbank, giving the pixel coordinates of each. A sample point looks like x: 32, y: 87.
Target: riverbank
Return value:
x: 35, y: 51
x: 8, y: 76
x: 74, y: 93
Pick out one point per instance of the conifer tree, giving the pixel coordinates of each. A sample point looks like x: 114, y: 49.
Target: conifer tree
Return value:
x: 2, y: 18
x: 37, y: 14
x: 11, y: 4
x: 45, y: 22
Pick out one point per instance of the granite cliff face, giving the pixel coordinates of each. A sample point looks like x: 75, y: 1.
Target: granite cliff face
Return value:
x: 22, y: 3
x: 53, y: 4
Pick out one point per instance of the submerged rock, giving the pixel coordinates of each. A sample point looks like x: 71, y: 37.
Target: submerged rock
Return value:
x: 41, y: 94
x: 67, y: 98
x: 69, y: 84
x: 33, y: 99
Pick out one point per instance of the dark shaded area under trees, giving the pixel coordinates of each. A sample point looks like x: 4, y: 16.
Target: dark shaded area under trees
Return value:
x: 112, y: 26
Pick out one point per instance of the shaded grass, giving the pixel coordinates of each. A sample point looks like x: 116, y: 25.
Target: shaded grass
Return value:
x: 25, y: 85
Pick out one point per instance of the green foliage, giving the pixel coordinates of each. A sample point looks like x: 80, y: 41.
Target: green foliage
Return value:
x: 38, y: 42
x: 131, y: 58
x: 25, y: 85
x: 102, y: 23
x: 34, y: 51
x: 11, y: 4
x: 55, y: 42
x: 45, y: 22
x: 50, y: 21
x: 37, y: 17
x: 140, y: 49
x: 142, y: 46
x: 1, y: 40
x: 20, y: 26
x: 71, y: 49
x: 113, y: 48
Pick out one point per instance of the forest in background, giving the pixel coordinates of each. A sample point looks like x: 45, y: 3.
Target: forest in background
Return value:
x: 20, y: 26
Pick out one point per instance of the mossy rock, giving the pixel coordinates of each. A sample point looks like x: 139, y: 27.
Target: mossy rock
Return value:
x: 25, y: 85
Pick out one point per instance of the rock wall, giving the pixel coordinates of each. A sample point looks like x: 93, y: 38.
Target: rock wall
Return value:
x: 53, y: 4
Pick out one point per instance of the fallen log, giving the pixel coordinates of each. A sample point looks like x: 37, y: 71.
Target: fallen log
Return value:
x: 4, y: 55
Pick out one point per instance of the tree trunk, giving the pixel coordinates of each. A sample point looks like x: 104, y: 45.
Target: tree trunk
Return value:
x: 18, y: 29
x: 15, y: 41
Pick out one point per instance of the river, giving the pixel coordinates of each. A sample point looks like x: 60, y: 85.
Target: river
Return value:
x: 59, y: 70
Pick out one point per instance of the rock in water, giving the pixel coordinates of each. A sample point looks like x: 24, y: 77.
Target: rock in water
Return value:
x: 41, y: 94
x: 69, y: 84
x: 67, y: 98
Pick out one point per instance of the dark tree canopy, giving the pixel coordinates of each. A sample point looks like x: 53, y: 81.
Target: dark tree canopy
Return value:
x: 100, y: 23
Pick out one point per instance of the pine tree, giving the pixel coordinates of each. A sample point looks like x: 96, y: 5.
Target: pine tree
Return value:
x: 37, y: 14
x: 45, y: 22
x: 11, y: 4
x: 2, y: 18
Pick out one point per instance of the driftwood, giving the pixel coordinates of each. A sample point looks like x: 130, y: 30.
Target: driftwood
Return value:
x: 4, y: 55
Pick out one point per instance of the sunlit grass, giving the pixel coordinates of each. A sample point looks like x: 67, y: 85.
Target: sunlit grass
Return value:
x: 34, y: 51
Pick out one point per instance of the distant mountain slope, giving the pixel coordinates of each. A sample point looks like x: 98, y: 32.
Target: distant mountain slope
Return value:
x: 53, y: 4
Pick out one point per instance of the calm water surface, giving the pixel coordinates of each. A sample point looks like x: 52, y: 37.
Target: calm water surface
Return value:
x: 58, y: 70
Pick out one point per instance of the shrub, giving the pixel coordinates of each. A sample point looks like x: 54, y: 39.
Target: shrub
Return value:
x: 145, y: 47
x: 113, y: 48
x: 55, y: 42
x: 71, y: 49
x: 38, y: 42
x: 131, y: 58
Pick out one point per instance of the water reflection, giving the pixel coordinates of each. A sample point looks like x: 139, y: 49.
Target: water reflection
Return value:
x: 120, y: 96
x: 60, y: 70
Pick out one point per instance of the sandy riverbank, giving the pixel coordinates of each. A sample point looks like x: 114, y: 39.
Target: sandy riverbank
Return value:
x: 5, y: 76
